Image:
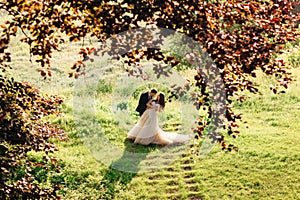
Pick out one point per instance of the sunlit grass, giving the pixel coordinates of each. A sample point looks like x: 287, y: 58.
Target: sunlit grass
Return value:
x: 266, y: 166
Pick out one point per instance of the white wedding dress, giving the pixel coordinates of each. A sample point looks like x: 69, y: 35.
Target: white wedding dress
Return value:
x: 147, y: 131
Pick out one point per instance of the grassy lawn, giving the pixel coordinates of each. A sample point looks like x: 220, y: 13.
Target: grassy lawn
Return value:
x: 267, y: 165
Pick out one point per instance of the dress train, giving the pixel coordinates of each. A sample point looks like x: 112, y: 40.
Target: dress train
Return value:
x: 147, y: 131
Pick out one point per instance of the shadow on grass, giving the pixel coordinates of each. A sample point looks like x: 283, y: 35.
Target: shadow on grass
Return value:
x: 123, y: 170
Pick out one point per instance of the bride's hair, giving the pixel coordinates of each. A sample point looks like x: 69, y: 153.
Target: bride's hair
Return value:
x: 161, y: 100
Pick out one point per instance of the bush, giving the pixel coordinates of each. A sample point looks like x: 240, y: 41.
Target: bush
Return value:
x: 23, y: 129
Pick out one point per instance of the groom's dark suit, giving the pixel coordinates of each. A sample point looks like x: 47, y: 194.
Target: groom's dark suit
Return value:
x: 144, y: 98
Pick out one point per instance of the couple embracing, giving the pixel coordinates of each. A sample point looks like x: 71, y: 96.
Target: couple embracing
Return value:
x: 147, y: 131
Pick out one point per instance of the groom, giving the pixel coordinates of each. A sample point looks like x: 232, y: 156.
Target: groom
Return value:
x: 144, y: 98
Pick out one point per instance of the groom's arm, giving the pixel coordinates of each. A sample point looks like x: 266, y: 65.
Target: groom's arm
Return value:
x: 142, y: 101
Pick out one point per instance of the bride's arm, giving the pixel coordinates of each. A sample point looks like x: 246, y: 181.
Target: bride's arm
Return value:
x: 149, y: 104
x: 159, y: 108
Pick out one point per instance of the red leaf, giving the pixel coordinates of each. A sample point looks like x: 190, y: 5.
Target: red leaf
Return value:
x: 43, y: 73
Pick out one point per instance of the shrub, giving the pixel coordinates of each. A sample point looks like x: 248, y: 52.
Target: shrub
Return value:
x: 23, y: 129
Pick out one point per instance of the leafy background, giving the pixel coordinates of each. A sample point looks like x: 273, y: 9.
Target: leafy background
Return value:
x: 265, y: 167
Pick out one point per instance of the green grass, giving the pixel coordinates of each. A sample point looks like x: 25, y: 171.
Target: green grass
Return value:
x: 267, y: 165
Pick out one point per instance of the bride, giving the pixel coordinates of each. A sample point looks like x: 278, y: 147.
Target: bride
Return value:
x: 146, y: 131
